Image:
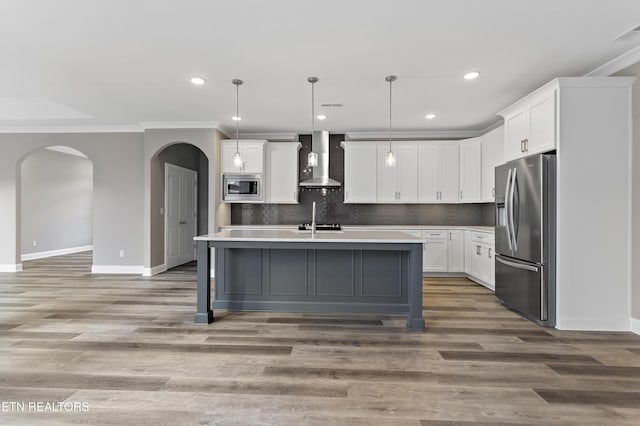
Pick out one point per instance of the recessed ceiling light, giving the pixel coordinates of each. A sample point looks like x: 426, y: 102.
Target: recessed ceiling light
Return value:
x: 198, y: 81
x: 430, y: 116
x: 471, y: 75
x: 321, y: 117
x: 236, y: 118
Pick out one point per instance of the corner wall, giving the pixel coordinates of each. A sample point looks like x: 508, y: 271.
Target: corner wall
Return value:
x: 57, y: 202
x: 118, y: 194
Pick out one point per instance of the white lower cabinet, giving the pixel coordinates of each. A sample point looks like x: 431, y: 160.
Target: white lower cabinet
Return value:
x: 456, y: 251
x: 436, y: 251
x: 480, y: 262
x: 443, y: 251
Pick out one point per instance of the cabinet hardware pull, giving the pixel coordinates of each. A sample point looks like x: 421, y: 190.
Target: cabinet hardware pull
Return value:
x: 526, y: 145
x: 489, y: 253
x: 493, y: 192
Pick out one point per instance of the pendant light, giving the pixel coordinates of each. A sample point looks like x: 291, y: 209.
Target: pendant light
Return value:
x: 312, y: 158
x: 390, y: 159
x: 237, y: 158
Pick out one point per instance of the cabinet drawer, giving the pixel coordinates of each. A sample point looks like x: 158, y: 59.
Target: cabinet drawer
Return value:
x: 481, y: 237
x: 435, y: 234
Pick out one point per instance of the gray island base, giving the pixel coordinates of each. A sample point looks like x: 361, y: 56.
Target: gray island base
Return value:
x: 347, y: 272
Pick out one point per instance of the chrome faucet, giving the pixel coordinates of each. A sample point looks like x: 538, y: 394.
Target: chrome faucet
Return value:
x: 313, y: 219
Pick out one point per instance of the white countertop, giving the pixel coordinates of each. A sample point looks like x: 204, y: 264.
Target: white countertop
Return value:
x: 287, y: 235
x: 375, y: 228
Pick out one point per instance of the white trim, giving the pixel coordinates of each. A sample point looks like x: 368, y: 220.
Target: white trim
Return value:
x: 117, y: 269
x: 73, y: 129
x: 59, y: 252
x: 148, y: 272
x: 635, y: 325
x: 11, y: 267
x: 66, y: 150
x: 275, y: 137
x: 493, y: 126
x: 594, y: 325
x: 615, y: 65
x: 179, y: 124
x: 434, y: 134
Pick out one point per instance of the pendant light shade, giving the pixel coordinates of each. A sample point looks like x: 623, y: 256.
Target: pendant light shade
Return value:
x: 237, y: 158
x: 390, y: 159
x: 312, y: 158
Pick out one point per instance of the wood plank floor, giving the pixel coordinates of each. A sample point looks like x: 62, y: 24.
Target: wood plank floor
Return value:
x: 126, y: 346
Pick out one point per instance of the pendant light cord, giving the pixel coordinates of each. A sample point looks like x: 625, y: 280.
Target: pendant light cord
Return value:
x: 390, y: 98
x: 313, y: 111
x: 237, y: 117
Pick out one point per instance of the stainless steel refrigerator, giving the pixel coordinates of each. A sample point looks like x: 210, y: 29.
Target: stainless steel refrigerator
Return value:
x: 526, y: 237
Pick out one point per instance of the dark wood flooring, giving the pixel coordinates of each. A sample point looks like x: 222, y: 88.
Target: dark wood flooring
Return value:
x: 126, y: 346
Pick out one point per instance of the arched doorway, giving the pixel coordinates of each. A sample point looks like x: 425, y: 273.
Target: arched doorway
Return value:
x: 56, y: 206
x: 178, y: 212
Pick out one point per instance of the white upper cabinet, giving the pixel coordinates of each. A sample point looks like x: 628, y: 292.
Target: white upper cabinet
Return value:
x: 360, y: 172
x: 398, y: 184
x: 530, y: 124
x: 251, y: 151
x: 281, y: 180
x: 438, y: 172
x: 492, y: 156
x: 470, y: 170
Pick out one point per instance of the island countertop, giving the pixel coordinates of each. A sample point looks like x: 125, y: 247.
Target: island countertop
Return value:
x: 284, y: 235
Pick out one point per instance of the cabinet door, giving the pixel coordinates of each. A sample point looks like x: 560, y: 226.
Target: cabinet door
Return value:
x: 449, y: 171
x: 491, y: 267
x: 281, y: 179
x: 387, y: 176
x: 469, y: 252
x: 360, y: 170
x: 435, y: 255
x: 253, y: 157
x: 407, y: 172
x: 456, y: 251
x: 477, y: 265
x: 228, y: 150
x: 515, y: 131
x: 428, y: 178
x: 542, y: 123
x: 470, y: 170
x: 492, y: 156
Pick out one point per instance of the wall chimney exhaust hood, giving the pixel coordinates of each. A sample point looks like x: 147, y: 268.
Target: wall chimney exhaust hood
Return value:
x: 320, y: 179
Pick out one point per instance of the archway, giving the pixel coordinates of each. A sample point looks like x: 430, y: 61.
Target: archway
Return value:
x: 55, y: 205
x: 185, y: 159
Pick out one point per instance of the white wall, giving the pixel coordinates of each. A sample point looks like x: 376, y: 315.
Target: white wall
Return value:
x: 593, y: 206
x: 57, y: 202
x: 118, y: 194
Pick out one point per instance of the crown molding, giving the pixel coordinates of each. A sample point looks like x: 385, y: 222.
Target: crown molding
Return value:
x: 493, y: 126
x: 275, y: 137
x: 179, y: 125
x: 73, y: 129
x: 615, y: 65
x: 422, y: 135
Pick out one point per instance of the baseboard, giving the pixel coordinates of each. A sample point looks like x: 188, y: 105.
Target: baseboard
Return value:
x: 117, y: 269
x: 17, y: 267
x: 444, y: 274
x: 148, y: 272
x: 59, y: 252
x: 594, y: 325
x: 635, y: 325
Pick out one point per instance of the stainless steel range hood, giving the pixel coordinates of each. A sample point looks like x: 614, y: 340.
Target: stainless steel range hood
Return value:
x: 321, y: 179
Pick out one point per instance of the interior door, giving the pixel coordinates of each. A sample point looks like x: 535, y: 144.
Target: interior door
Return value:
x: 180, y: 214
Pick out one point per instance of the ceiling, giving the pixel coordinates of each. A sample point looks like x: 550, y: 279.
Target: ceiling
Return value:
x: 120, y: 63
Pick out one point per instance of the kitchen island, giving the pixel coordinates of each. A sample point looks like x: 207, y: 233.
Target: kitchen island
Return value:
x: 295, y: 271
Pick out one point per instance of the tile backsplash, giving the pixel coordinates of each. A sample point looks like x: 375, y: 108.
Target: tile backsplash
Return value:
x: 330, y: 207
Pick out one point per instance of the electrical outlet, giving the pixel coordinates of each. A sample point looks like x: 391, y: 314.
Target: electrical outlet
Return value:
x: 121, y: 253
x: 161, y: 211
x: 34, y: 243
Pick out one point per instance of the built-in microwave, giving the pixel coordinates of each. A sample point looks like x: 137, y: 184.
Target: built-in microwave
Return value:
x: 243, y: 188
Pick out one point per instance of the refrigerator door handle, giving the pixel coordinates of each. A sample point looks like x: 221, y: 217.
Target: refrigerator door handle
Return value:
x: 511, y: 217
x: 517, y: 265
x: 506, y: 206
